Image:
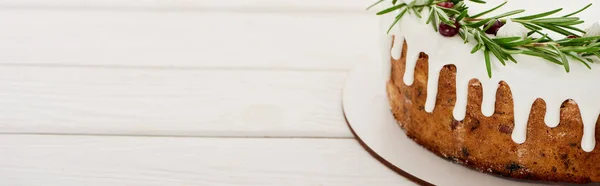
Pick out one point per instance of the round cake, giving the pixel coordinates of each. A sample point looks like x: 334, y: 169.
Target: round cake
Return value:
x: 507, y: 88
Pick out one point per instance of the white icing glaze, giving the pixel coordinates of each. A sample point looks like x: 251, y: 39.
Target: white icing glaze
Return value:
x: 593, y: 30
x: 530, y: 79
x: 512, y: 29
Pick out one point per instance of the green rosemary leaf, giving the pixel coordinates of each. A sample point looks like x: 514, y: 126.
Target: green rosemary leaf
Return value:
x: 476, y: 48
x: 505, y: 39
x: 391, y: 9
x: 488, y: 63
x: 575, y: 56
x: 589, y: 60
x: 587, y: 56
x: 480, y: 44
x: 572, y: 28
x: 462, y: 35
x: 401, y: 14
x: 571, y: 45
x: 516, y: 51
x: 542, y: 39
x: 508, y: 14
x: 540, y: 15
x: 511, y: 58
x: 557, y: 29
x: 495, y: 48
x: 431, y: 16
x: 411, y: 4
x: 443, y: 16
x: 578, y: 11
x: 428, y: 2
x: 530, y: 32
x: 480, y: 47
x: 459, y: 5
x: 563, y: 58
x: 594, y: 45
x: 541, y: 55
x: 466, y: 35
x: 478, y: 23
x: 555, y: 20
x: 509, y: 53
x: 531, y: 26
x: 462, y: 15
x: 545, y: 51
x: 450, y: 11
x: 570, y: 23
x: 500, y: 56
x: 478, y: 1
x: 375, y: 4
x: 397, y: 19
x: 537, y: 43
x: 592, y: 54
x: 435, y: 21
x: 488, y: 11
x: 596, y: 54
x: 489, y: 24
x: 578, y: 40
x: 517, y: 43
x: 479, y: 40
x: 417, y: 13
x: 579, y: 49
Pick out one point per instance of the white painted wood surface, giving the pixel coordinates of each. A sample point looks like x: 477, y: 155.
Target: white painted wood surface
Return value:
x: 180, y: 102
x: 291, y: 5
x: 242, y: 92
x: 92, y: 160
x: 187, y: 38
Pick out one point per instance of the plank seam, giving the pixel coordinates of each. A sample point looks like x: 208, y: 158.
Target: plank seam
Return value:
x: 274, y: 10
x: 176, y: 136
x: 159, y: 67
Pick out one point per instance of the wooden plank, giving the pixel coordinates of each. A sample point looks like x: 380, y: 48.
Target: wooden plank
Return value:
x: 355, y: 5
x: 179, y: 102
x: 86, y: 160
x: 188, y: 39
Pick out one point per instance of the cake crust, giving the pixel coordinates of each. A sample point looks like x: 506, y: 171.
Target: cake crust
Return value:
x: 485, y: 143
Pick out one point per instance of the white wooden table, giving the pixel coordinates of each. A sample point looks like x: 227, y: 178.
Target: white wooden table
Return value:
x: 182, y: 92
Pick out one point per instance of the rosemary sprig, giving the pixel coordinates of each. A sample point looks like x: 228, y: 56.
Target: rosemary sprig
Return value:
x: 537, y: 43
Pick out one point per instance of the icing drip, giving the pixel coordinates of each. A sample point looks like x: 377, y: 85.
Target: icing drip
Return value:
x: 589, y: 117
x: 552, y: 117
x: 432, y: 88
x: 462, y: 89
x: 529, y: 80
x: 521, y: 116
x: 489, y: 91
x: 412, y: 55
x: 397, y: 49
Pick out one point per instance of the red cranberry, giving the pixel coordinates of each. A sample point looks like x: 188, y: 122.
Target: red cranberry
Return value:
x: 495, y: 27
x: 446, y: 4
x: 447, y: 30
x: 571, y: 37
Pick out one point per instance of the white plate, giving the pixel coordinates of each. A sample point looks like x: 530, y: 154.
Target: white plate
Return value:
x: 368, y: 114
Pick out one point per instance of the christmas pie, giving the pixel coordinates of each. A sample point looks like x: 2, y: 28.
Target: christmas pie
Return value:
x: 510, y: 90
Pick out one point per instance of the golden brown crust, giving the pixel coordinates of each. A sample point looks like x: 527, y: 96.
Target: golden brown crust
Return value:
x: 484, y: 143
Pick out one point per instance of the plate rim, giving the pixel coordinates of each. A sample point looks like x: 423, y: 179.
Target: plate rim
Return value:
x: 379, y: 158
x: 355, y: 77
